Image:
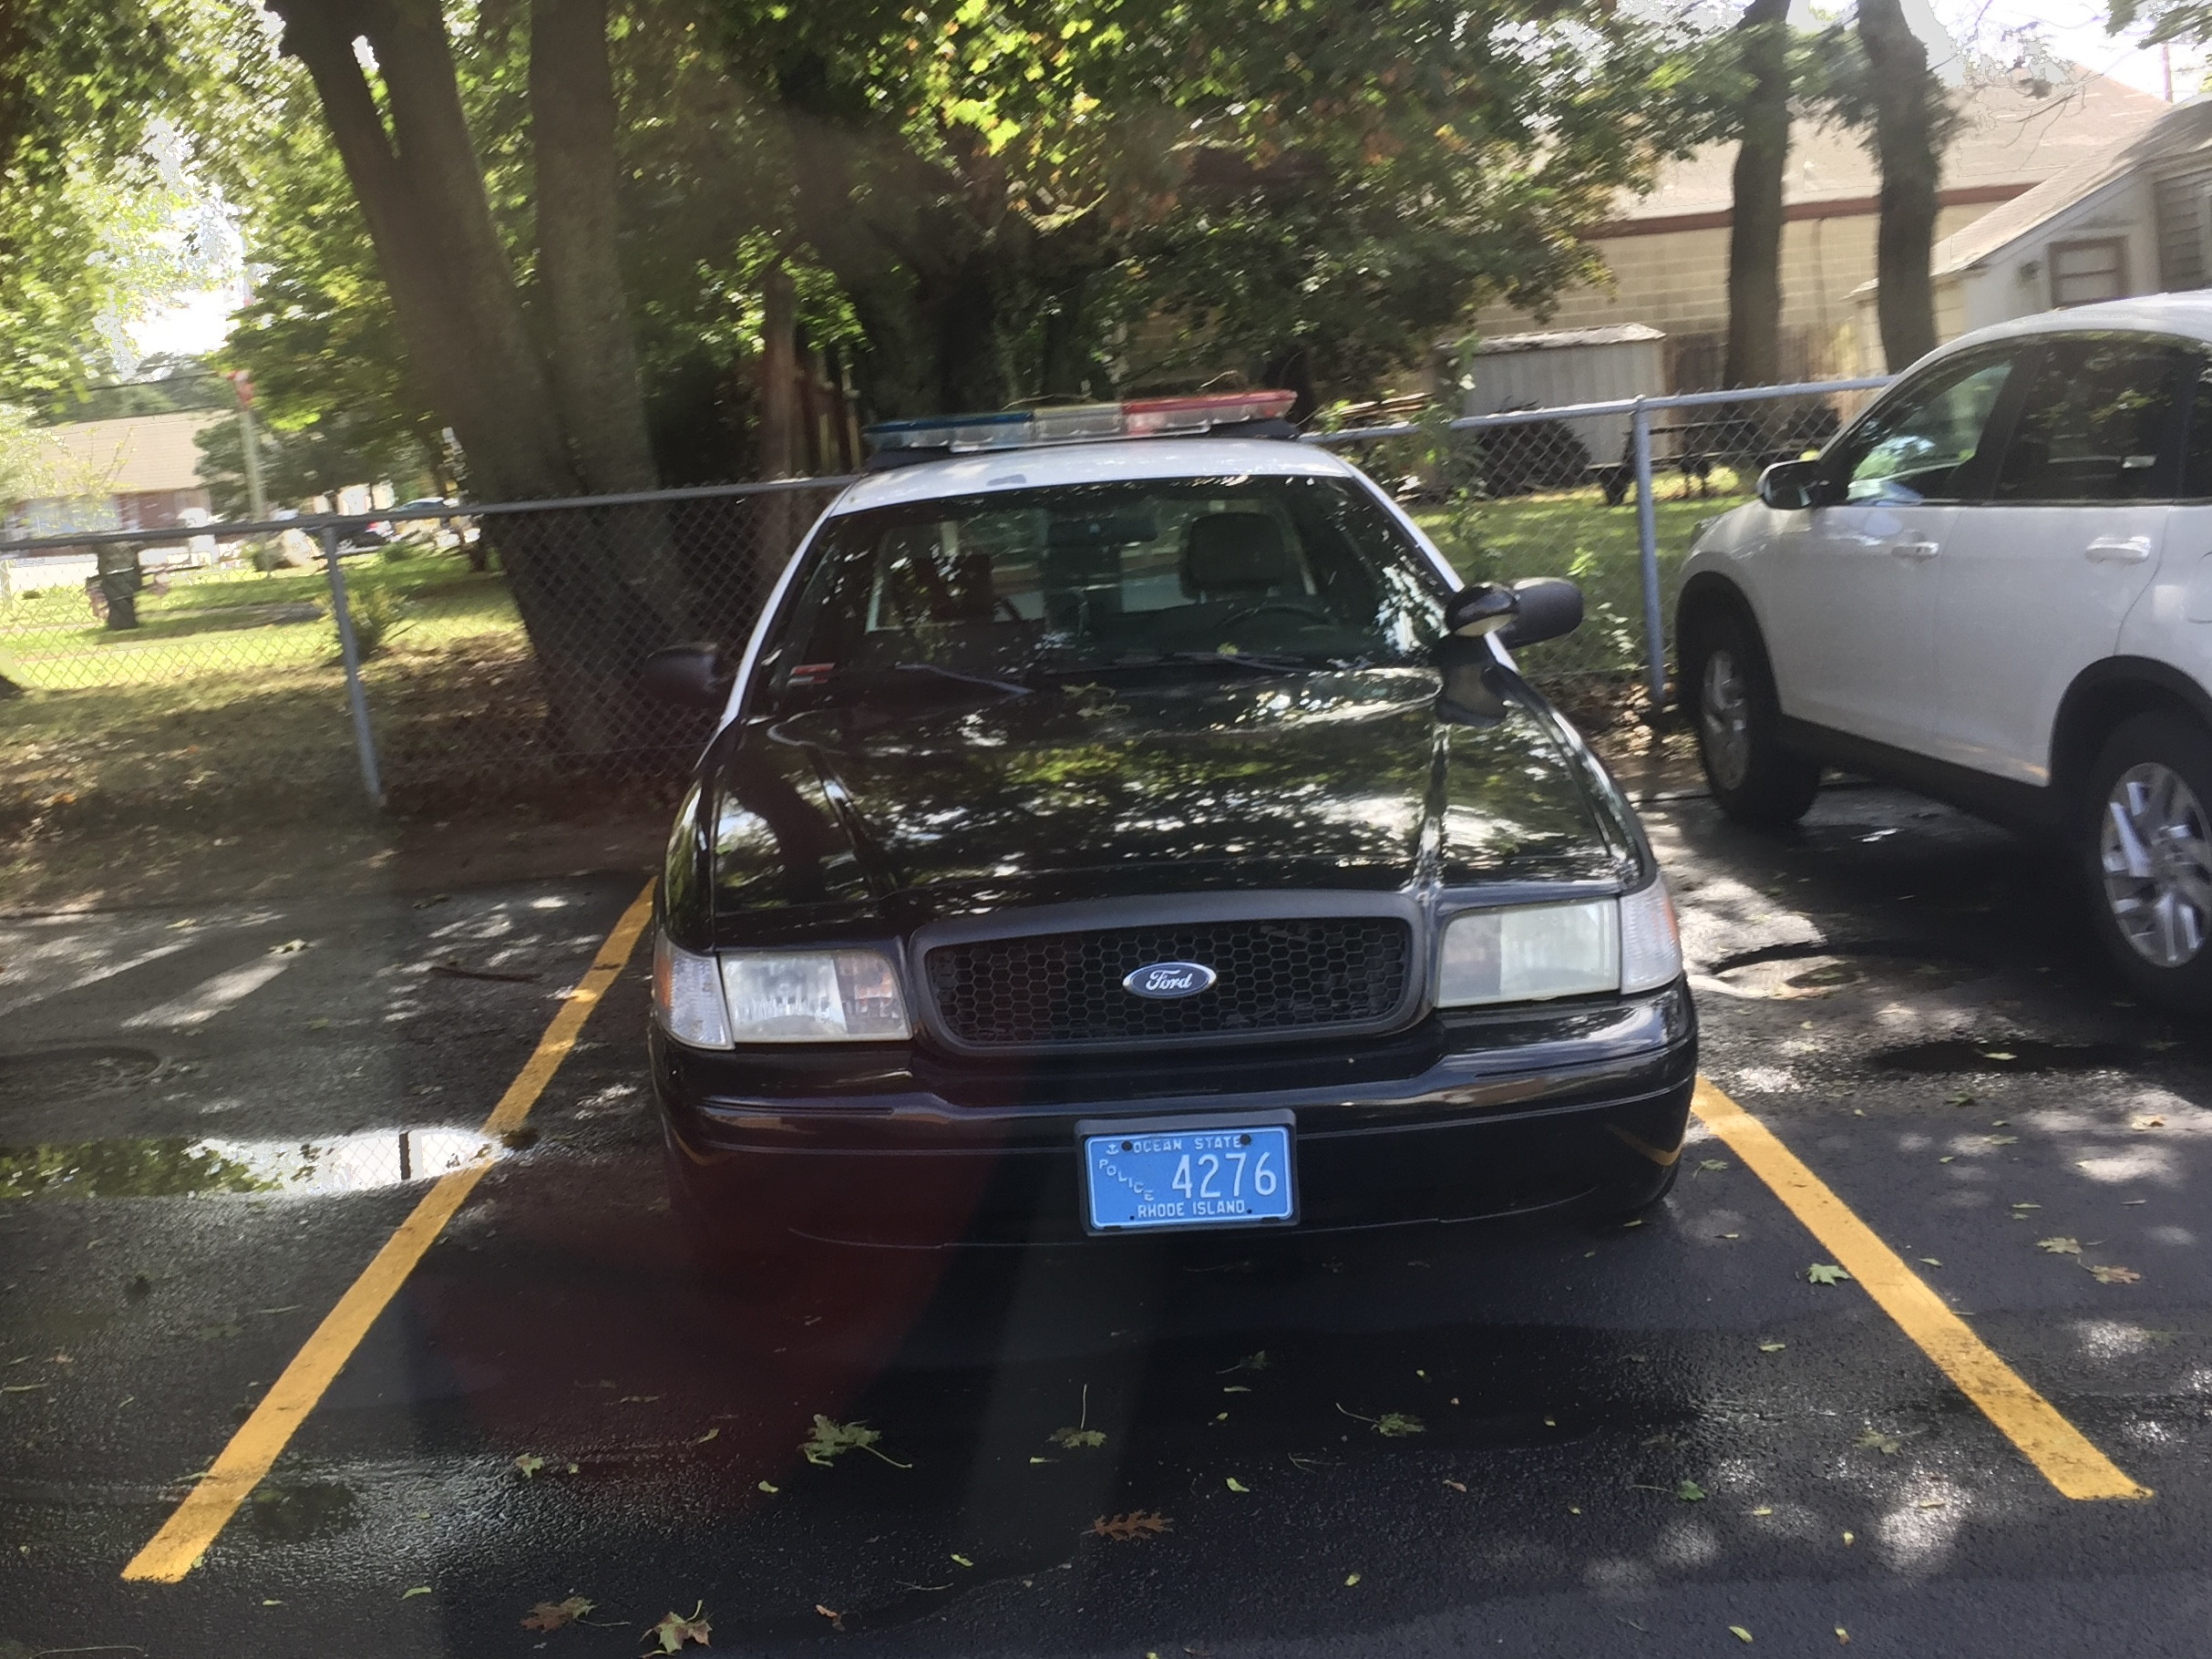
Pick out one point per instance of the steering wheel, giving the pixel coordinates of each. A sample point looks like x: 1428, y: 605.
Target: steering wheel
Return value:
x: 1307, y: 608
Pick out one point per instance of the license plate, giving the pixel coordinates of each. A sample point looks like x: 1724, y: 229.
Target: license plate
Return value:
x: 1187, y: 1173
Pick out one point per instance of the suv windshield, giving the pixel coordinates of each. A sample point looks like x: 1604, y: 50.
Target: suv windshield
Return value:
x: 1243, y: 571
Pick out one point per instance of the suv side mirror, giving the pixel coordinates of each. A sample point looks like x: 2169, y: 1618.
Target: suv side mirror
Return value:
x: 1793, y: 485
x: 691, y: 676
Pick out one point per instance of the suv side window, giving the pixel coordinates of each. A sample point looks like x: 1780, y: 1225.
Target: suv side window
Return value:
x: 2196, y: 458
x: 2101, y: 421
x: 1918, y: 446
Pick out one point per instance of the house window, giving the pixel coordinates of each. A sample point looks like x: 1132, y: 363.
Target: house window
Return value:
x: 2082, y: 272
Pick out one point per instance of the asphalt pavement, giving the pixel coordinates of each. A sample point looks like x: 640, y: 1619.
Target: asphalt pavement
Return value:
x: 1542, y: 1439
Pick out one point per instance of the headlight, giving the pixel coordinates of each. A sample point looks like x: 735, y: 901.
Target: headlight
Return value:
x: 777, y: 996
x: 828, y: 996
x: 1527, y: 954
x: 1650, y: 945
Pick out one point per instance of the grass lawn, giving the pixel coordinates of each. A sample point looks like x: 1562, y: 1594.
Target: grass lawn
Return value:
x: 220, y: 622
x: 1578, y: 536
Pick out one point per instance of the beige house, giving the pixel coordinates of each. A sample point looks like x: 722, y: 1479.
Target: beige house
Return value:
x: 1668, y: 251
x: 140, y: 472
x: 2134, y: 219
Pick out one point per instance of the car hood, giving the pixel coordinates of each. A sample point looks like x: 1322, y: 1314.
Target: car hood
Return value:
x: 1342, y: 779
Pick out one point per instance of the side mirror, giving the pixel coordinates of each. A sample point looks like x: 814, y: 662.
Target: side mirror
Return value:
x: 1482, y: 609
x: 691, y: 676
x: 1544, y: 608
x: 1792, y: 486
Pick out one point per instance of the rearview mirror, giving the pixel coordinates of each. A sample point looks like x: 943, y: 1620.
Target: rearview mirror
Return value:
x: 1793, y: 485
x: 691, y: 676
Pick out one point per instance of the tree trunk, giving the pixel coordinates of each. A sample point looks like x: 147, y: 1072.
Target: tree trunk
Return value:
x: 1907, y: 100
x: 1754, y: 234
x: 595, y: 360
x: 421, y: 190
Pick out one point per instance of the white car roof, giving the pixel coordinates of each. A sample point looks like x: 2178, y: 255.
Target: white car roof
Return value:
x: 2189, y: 315
x: 1043, y: 466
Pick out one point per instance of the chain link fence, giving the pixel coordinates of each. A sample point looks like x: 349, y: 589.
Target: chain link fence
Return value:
x: 1609, y: 494
x: 443, y: 661
x: 204, y: 674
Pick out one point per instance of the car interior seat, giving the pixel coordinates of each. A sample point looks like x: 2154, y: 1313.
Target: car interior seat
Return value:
x: 1239, y: 558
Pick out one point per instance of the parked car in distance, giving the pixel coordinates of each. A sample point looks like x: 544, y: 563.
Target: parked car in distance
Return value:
x: 1112, y: 835
x: 1995, y: 586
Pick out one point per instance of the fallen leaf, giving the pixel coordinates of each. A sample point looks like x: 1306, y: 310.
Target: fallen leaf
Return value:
x: 1932, y: 1262
x: 408, y: 1595
x: 1713, y: 1163
x: 1887, y: 1445
x: 2001, y: 1140
x: 1928, y: 1503
x: 1739, y: 1633
x: 288, y: 947
x: 1236, y: 1389
x: 963, y: 1560
x: 1772, y: 1347
x: 1351, y: 1579
x: 553, y: 1615
x: 674, y: 1630
x: 1236, y: 1485
x: 770, y: 1488
x: 318, y: 1025
x: 2021, y: 1204
x: 1689, y: 1492
x: 1127, y: 1529
x: 1251, y: 1361
x: 711, y: 1434
x: 529, y: 1463
x: 2060, y: 1246
x: 2147, y: 1121
x: 1998, y: 1054
x: 2115, y: 1275
x: 1396, y: 1423
x: 1457, y: 1485
x: 1764, y: 1509
x: 1842, y: 1636
x: 1825, y: 1272
x: 1074, y: 1438
x: 1850, y: 1537
x: 837, y: 1620
x: 830, y: 1440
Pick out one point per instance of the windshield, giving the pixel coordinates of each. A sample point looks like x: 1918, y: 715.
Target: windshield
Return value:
x: 1237, y: 572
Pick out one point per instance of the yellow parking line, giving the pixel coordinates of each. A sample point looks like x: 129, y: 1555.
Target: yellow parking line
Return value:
x: 2031, y: 1422
x: 184, y: 1538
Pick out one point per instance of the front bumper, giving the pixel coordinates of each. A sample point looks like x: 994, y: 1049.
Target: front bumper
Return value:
x: 1470, y: 1115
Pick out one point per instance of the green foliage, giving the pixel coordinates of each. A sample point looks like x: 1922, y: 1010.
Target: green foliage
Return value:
x: 376, y: 611
x: 318, y: 459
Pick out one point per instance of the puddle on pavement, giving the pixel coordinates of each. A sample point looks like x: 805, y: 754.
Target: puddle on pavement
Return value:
x: 177, y: 1166
x: 1787, y: 972
x: 288, y: 1513
x: 40, y: 1077
x: 2003, y: 1054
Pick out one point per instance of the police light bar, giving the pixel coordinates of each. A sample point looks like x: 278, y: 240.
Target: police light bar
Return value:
x: 936, y: 435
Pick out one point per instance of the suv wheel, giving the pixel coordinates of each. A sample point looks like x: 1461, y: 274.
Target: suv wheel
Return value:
x: 2148, y: 847
x: 1755, y: 778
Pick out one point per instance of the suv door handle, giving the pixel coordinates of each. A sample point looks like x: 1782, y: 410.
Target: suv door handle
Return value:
x: 2119, y: 549
x: 1914, y: 550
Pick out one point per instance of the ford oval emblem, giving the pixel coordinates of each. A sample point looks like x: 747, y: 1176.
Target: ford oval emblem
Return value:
x: 1162, y: 980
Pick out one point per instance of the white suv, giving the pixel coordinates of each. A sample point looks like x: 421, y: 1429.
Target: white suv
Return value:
x: 1994, y: 586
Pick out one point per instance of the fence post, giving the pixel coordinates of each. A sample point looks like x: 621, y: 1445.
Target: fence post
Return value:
x: 364, y: 740
x: 1647, y: 544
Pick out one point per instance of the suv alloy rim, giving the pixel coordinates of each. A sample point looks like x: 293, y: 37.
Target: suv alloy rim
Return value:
x: 1725, y: 717
x: 2158, y: 862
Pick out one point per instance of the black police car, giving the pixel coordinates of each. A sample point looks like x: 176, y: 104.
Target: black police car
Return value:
x: 1113, y: 835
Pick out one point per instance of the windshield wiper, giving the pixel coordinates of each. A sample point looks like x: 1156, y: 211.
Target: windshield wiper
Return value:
x: 868, y: 684
x: 1251, y: 662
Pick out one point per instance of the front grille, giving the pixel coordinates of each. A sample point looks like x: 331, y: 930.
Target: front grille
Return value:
x: 1063, y: 988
